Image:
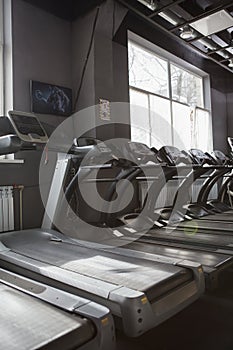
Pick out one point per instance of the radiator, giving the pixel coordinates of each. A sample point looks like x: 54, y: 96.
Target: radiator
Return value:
x: 6, y: 209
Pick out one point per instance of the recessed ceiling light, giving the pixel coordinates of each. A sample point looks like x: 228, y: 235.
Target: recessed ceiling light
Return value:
x: 214, y: 23
x: 151, y: 4
x: 230, y: 49
x: 224, y: 54
x: 186, y: 33
x: 230, y: 64
x: 208, y: 44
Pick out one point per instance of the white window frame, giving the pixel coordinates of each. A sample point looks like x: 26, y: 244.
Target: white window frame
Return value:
x: 172, y: 59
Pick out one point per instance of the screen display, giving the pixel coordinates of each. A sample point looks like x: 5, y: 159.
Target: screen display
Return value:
x: 27, y: 125
x: 50, y: 99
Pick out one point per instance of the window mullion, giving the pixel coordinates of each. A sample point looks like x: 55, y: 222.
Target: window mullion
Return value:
x: 150, y: 124
x: 170, y: 98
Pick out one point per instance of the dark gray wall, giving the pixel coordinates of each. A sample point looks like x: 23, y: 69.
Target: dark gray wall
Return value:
x: 105, y: 72
x: 230, y: 114
x: 41, y: 51
x: 81, y: 37
x: 220, y: 122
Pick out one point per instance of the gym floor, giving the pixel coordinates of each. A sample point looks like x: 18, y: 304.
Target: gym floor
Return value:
x: 205, y: 325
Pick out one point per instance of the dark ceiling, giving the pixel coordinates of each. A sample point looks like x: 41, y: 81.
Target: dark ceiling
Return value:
x: 173, y: 16
x: 66, y: 9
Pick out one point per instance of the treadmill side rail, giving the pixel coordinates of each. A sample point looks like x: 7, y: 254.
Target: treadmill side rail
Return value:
x: 137, y: 312
x: 105, y: 337
x: 98, y: 314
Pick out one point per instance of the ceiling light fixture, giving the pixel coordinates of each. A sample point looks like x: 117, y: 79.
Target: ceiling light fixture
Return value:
x: 169, y: 17
x: 208, y: 44
x: 151, y: 4
x: 214, y: 23
x: 186, y: 33
x: 223, y: 54
x: 230, y: 64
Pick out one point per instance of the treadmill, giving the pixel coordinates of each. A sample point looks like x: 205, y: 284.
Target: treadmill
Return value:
x: 35, y: 316
x: 200, y: 212
x: 208, y: 239
x: 219, y: 210
x: 212, y: 261
x: 140, y: 293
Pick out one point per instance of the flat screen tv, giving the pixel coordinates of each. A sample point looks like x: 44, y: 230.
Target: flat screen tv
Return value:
x: 50, y: 99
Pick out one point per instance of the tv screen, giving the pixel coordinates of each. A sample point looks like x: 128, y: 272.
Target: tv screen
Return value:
x: 50, y: 99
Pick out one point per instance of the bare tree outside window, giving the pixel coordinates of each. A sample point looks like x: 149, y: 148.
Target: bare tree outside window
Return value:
x: 172, y: 99
x: 147, y: 71
x: 186, y: 87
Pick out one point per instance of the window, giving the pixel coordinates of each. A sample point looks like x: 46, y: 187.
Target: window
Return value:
x: 167, y: 100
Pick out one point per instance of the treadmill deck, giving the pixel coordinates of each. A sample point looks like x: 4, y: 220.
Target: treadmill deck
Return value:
x: 27, y: 323
x: 152, y: 278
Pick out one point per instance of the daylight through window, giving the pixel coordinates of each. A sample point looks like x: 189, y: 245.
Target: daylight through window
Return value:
x: 167, y: 102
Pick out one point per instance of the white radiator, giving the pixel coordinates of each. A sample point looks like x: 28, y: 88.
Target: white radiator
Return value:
x: 6, y: 209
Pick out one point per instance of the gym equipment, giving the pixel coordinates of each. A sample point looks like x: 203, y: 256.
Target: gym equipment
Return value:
x: 140, y: 292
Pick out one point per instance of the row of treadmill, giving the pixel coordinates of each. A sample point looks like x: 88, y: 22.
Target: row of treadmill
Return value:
x: 68, y: 283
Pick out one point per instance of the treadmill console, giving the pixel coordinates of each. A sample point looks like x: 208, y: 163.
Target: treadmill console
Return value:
x: 95, y: 151
x: 221, y: 158
x: 27, y: 127
x: 199, y: 157
x: 141, y: 152
x: 172, y: 156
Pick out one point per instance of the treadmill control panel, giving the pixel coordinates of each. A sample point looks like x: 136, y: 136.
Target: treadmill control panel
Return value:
x: 172, y: 156
x: 221, y: 158
x: 199, y: 157
x: 141, y: 152
x: 27, y: 127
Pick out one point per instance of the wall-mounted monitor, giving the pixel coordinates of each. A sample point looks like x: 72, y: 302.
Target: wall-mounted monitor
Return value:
x: 50, y: 99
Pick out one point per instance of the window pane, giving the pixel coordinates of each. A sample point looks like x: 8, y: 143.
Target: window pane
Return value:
x: 160, y: 122
x: 203, y: 130
x: 186, y: 87
x: 182, y: 125
x: 139, y: 117
x: 147, y: 71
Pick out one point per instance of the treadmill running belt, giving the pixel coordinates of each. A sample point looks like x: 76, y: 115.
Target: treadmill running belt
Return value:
x: 211, y: 260
x: 218, y: 217
x: 200, y: 238
x: 224, y: 227
x: 27, y: 324
x: 155, y: 279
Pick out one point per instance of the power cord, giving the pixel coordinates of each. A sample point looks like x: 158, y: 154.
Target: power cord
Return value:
x: 87, y: 57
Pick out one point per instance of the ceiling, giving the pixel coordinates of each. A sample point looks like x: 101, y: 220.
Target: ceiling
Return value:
x: 66, y: 9
x: 208, y: 24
